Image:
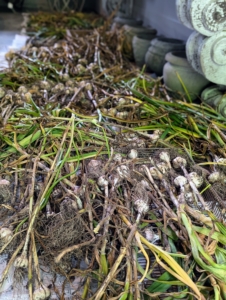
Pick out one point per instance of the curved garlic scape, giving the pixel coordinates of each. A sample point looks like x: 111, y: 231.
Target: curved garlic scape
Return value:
x: 133, y: 154
x: 196, y: 179
x: 141, y: 206
x: 179, y: 162
x: 155, y: 173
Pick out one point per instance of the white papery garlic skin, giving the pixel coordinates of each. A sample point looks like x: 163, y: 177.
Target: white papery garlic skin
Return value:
x: 42, y: 293
x: 196, y: 179
x: 5, y: 234
x: 180, y: 181
x: 214, y: 177
x: 179, y: 162
x: 142, y: 206
x: 133, y: 154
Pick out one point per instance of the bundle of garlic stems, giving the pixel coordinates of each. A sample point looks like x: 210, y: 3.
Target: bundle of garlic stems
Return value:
x: 96, y: 166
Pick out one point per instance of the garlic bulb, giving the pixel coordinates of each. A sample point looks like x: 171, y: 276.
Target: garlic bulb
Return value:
x: 214, y: 177
x: 150, y: 235
x: 164, y: 156
x: 122, y: 115
x: 179, y: 162
x: 142, y: 206
x: 22, y: 89
x: 180, y: 181
x: 162, y: 167
x: 123, y: 171
x: 102, y: 181
x: 133, y: 154
x: 117, y: 157
x: 45, y: 85
x: 5, y: 234
x: 21, y: 262
x: 42, y: 293
x: 112, y: 112
x: 197, y: 180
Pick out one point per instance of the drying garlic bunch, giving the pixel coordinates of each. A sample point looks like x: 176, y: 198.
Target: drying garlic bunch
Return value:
x: 5, y: 235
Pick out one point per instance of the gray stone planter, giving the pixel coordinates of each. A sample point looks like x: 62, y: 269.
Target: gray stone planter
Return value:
x: 141, y: 43
x: 178, y: 69
x: 120, y: 21
x: 128, y: 33
x: 159, y: 47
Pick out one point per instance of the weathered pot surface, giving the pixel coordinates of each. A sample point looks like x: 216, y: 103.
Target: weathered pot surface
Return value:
x: 179, y: 76
x: 155, y: 56
x: 141, y: 43
x: 129, y: 33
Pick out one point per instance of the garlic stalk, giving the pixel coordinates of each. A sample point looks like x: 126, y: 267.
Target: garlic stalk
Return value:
x: 180, y: 162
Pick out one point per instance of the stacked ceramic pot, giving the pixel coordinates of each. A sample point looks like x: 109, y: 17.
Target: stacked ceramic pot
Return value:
x: 180, y: 79
x: 141, y: 43
x: 128, y: 34
x: 159, y: 47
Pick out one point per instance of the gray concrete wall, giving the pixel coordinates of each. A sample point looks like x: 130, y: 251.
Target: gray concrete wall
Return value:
x: 161, y: 14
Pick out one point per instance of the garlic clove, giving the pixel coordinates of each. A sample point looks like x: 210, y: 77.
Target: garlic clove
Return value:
x: 133, y: 154
x: 196, y: 179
